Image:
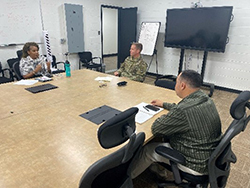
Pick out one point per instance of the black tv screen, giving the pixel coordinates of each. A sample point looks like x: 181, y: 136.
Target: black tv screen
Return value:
x: 203, y: 28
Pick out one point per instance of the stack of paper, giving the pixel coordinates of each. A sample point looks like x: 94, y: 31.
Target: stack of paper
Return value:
x: 144, y: 113
x: 106, y: 79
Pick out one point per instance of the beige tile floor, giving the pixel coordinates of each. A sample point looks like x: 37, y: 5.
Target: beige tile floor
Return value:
x: 110, y: 63
x: 240, y: 171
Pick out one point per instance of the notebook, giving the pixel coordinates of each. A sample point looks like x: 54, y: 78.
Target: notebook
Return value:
x: 41, y: 88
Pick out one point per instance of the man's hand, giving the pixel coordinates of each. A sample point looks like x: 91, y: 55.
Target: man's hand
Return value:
x: 157, y: 102
x: 116, y: 73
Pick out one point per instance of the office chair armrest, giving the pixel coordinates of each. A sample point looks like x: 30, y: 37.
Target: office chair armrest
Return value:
x: 248, y: 105
x: 171, y: 154
x: 57, y: 63
x: 171, y: 77
x: 174, y: 158
x: 247, y: 120
x: 98, y: 58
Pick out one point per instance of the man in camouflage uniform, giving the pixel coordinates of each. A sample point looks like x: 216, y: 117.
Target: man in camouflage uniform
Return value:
x: 133, y: 67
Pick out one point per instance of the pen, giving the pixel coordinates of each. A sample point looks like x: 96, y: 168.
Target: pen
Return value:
x: 145, y: 108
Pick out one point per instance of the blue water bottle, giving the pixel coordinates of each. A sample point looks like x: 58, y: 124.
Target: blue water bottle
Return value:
x: 67, y: 68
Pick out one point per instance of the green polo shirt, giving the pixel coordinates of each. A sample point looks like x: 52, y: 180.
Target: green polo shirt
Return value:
x: 193, y: 127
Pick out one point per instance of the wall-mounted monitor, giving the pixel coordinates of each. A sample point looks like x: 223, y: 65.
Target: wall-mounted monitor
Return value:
x: 203, y: 28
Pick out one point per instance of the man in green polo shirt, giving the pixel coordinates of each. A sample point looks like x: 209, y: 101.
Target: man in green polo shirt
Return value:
x: 192, y: 126
x: 133, y: 67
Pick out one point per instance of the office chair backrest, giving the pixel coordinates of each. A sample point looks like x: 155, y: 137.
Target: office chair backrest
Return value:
x: 11, y: 62
x: 53, y: 63
x: 165, y: 83
x: 0, y: 67
x: 114, y: 170
x: 5, y: 78
x: 85, y: 57
x: 219, y: 162
x: 17, y: 70
x: 19, y: 54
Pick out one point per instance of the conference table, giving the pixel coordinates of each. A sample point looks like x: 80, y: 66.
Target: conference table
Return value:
x: 44, y: 140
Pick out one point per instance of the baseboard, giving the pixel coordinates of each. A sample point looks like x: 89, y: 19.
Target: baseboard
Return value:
x: 110, y: 71
x: 110, y: 55
x: 227, y: 89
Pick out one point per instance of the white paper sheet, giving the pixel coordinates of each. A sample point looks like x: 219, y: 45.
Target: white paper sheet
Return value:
x: 106, y: 79
x: 26, y: 82
x: 143, y: 114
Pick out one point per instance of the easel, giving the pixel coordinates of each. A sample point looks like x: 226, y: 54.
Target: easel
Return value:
x: 148, y: 37
x: 204, y: 61
x: 156, y: 62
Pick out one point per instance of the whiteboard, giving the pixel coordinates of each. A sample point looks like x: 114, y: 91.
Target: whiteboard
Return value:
x: 148, y: 36
x: 20, y: 21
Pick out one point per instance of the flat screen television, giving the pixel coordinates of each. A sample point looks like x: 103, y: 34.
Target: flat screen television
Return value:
x: 203, y: 28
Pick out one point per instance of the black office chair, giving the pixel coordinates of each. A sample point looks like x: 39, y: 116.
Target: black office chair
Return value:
x: 114, y: 170
x: 54, y: 64
x: 86, y: 60
x: 19, y: 54
x: 164, y: 82
x: 220, y: 159
x: 11, y: 63
x: 3, y: 76
x: 16, y: 70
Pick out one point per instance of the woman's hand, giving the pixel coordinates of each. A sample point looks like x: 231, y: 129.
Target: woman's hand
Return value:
x: 48, y: 67
x: 38, y: 68
x: 34, y: 72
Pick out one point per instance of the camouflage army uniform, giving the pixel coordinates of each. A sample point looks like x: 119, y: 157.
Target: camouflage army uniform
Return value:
x: 133, y: 68
x: 28, y: 65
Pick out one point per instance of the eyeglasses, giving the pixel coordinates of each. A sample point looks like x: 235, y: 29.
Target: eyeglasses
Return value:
x: 102, y: 85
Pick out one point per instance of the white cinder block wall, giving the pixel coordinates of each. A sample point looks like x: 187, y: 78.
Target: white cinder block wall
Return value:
x: 230, y: 69
x: 91, y: 26
x: 52, y: 15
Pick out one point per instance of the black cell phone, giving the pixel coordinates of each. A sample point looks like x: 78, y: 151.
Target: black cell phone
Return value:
x: 151, y: 107
x: 123, y: 83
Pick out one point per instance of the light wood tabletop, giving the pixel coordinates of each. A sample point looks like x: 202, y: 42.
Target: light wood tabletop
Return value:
x: 44, y: 141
